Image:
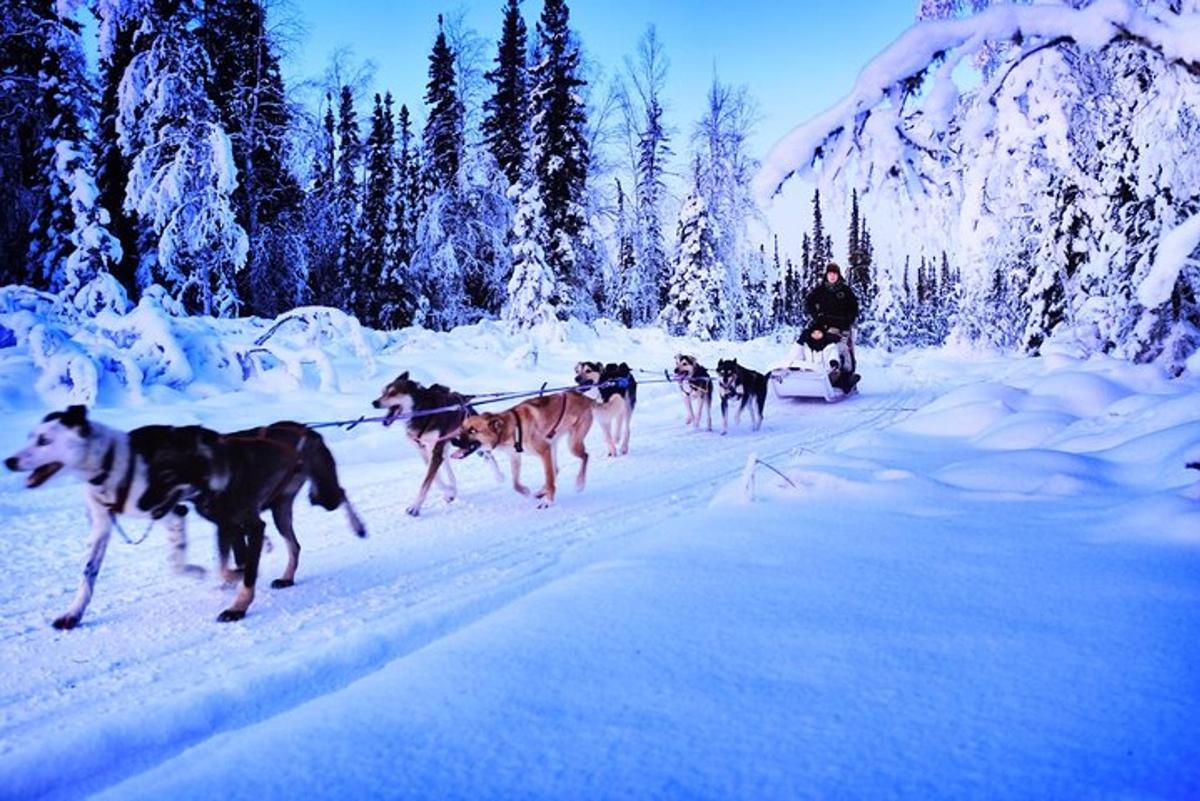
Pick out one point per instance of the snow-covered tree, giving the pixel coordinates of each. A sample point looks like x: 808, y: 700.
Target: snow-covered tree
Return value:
x: 691, y: 307
x: 1084, y: 115
x: 647, y: 139
x: 559, y: 148
x: 506, y: 112
x: 347, y: 204
x: 531, y: 288
x: 247, y: 87
x: 182, y: 174
x: 71, y: 244
x: 725, y: 169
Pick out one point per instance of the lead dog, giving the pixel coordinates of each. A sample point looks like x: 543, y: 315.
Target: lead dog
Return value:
x: 535, y: 424
x: 614, y: 390
x: 695, y: 383
x: 433, y: 416
x: 743, y: 384
x: 114, y: 464
x: 118, y: 467
x: 231, y: 479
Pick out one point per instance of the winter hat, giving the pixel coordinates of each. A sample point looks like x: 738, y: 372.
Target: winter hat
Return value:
x: 833, y: 268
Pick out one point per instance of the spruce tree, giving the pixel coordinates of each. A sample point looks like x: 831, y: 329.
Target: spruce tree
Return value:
x: 71, y: 243
x: 506, y: 113
x: 629, y: 278
x: 531, y: 288
x: 444, y: 128
x: 181, y: 179
x: 691, y: 308
x: 779, y: 297
x: 346, y: 204
x: 246, y: 85
x: 320, y: 216
x: 559, y: 145
x: 118, y: 23
x: 23, y: 27
x: 378, y: 203
x: 821, y: 254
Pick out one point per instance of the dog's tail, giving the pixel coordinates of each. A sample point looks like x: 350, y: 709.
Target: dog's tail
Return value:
x: 324, y: 489
x: 1194, y: 465
x: 632, y: 387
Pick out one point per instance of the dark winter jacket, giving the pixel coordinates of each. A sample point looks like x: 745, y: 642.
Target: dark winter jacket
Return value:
x: 832, y: 305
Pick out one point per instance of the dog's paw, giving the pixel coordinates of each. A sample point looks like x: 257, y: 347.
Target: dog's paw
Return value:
x: 724, y: 432
x: 413, y: 511
x: 522, y: 489
x: 195, y: 571
x: 231, y: 615
x: 282, y: 583
x: 545, y: 503
x: 66, y: 622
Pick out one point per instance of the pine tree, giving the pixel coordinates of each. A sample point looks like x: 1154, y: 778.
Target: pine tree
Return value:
x: 23, y: 27
x: 246, y: 85
x: 444, y: 127
x: 531, y: 288
x: 629, y: 278
x: 118, y: 23
x: 559, y: 146
x: 691, y: 307
x: 506, y: 113
x: 378, y: 204
x: 821, y: 254
x: 320, y: 216
x: 398, y: 302
x: 779, y: 297
x: 346, y: 204
x: 71, y: 243
x: 182, y: 176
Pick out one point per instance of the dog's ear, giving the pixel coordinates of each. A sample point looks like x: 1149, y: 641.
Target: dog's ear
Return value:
x: 76, y: 417
x: 403, y: 376
x: 496, y: 424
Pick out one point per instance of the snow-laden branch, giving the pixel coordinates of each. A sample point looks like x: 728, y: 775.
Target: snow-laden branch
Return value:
x: 1175, y: 252
x: 875, y: 105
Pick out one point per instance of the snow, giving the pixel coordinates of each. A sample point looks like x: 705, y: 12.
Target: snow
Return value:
x: 981, y: 581
x: 1176, y: 249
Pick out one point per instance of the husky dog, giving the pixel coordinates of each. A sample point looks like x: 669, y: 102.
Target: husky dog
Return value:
x: 535, y: 424
x: 614, y: 390
x: 695, y: 383
x: 441, y: 414
x: 115, y: 466
x: 231, y: 479
x: 741, y: 383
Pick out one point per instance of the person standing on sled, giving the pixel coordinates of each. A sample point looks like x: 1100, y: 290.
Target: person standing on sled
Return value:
x: 833, y: 309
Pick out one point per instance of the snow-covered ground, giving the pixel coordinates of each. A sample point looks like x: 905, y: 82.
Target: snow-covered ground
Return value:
x: 985, y: 582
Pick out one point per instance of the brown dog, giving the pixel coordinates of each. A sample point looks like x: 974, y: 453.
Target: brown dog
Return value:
x: 533, y: 425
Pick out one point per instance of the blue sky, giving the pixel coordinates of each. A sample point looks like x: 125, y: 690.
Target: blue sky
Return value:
x: 797, y: 58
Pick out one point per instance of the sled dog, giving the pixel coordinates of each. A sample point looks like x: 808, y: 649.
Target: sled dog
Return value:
x: 536, y: 425
x: 744, y: 385
x: 614, y: 390
x: 442, y: 414
x: 114, y: 464
x: 232, y: 479
x: 696, y: 384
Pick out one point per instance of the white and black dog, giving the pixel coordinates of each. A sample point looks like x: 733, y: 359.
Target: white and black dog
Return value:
x: 149, y: 471
x: 433, y: 416
x: 614, y: 389
x: 114, y: 465
x: 696, y: 384
x: 744, y: 385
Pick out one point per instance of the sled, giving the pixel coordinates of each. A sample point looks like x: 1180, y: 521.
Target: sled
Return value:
x: 808, y: 374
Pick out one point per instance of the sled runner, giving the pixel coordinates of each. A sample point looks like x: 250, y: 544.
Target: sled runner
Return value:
x: 809, y: 373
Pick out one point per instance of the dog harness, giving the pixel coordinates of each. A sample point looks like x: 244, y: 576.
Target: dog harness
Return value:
x: 517, y: 445
x: 123, y: 487
x: 561, y: 413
